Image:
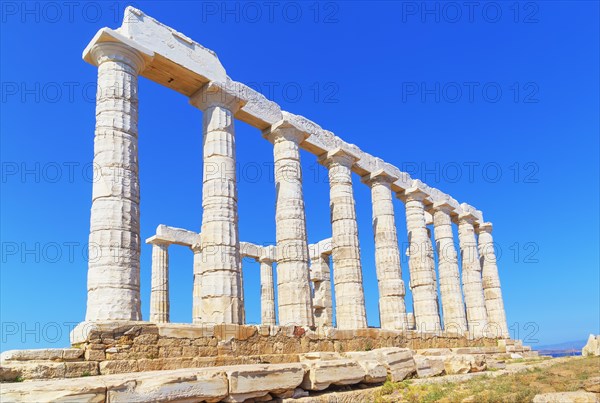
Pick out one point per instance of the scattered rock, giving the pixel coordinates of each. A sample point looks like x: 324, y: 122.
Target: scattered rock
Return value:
x: 566, y: 397
x: 592, y: 348
x: 592, y: 384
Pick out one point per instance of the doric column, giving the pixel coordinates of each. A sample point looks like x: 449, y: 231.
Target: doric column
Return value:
x: 492, y: 292
x: 267, y: 292
x: 453, y: 306
x: 320, y: 275
x: 159, y: 291
x: 471, y: 275
x: 293, y: 283
x: 392, y: 308
x: 197, y: 287
x: 220, y: 267
x: 421, y: 263
x: 347, y: 274
x: 114, y: 241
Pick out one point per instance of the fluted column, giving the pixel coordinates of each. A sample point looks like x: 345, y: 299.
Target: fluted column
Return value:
x: 197, y: 287
x: 320, y: 275
x: 492, y: 291
x: 392, y: 308
x: 114, y: 240
x: 159, y: 291
x: 347, y: 273
x: 471, y: 276
x: 453, y: 306
x: 220, y: 267
x: 293, y: 283
x: 267, y: 292
x: 421, y: 264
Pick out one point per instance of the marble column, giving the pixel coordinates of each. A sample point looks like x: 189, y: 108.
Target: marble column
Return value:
x: 220, y: 267
x: 197, y: 287
x: 293, y: 283
x: 267, y: 292
x: 320, y: 275
x: 471, y: 276
x: 421, y: 263
x: 492, y: 293
x: 347, y: 273
x: 159, y: 291
x: 392, y: 308
x: 114, y: 240
x: 453, y: 306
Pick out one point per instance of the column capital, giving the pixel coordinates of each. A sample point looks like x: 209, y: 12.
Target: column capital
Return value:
x: 379, y: 176
x: 155, y: 240
x: 413, y: 194
x: 217, y: 94
x: 467, y: 217
x: 267, y: 254
x: 485, y: 227
x: 443, y: 205
x: 339, y: 155
x: 109, y: 45
x: 287, y: 130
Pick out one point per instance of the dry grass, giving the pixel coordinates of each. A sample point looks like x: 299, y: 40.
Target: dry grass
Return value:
x: 518, y: 387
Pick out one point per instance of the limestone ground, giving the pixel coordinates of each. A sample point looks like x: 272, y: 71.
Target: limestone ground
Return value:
x: 564, y: 376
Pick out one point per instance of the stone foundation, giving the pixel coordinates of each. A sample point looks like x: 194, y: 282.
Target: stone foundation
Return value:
x: 103, y: 348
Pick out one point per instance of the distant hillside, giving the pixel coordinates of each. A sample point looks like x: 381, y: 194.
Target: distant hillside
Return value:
x: 564, y: 346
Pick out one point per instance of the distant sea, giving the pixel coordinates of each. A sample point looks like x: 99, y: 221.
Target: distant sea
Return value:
x: 554, y: 353
x: 565, y: 349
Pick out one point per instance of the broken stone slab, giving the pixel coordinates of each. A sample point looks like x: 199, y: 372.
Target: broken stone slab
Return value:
x: 434, y: 351
x: 566, y: 397
x: 51, y: 354
x: 178, y: 385
x: 255, y: 381
x: 321, y: 374
x: 399, y: 362
x: 320, y: 355
x: 208, y: 385
x: 427, y: 367
x: 464, y: 363
x: 375, y: 372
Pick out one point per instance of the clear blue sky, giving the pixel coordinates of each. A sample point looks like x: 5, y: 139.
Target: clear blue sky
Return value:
x: 496, y: 105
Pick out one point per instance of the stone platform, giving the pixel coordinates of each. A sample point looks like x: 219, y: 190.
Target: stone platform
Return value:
x: 104, y: 348
x: 111, y: 363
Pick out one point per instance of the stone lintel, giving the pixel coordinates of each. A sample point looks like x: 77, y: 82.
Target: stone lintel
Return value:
x: 324, y: 247
x: 143, y: 55
x: 268, y: 254
x: 172, y: 235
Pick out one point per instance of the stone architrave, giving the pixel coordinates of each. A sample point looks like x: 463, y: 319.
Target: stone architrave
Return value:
x: 220, y: 267
x: 293, y: 282
x: 453, y: 306
x: 492, y: 291
x: 392, y: 308
x: 114, y: 241
x: 347, y: 273
x: 471, y: 276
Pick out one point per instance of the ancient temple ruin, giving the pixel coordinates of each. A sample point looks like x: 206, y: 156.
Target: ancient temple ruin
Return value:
x: 144, y: 47
x: 304, y: 330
